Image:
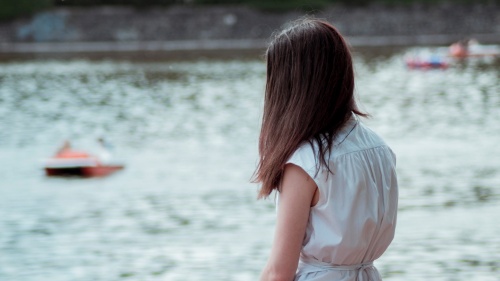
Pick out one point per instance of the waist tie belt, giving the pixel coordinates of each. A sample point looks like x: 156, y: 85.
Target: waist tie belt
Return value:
x: 312, y: 265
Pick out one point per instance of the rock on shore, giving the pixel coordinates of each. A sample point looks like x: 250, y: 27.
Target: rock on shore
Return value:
x: 122, y: 24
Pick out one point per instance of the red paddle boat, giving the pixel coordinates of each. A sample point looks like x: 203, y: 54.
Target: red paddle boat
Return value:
x: 471, y: 48
x: 68, y: 162
x: 432, y: 63
x: 429, y: 60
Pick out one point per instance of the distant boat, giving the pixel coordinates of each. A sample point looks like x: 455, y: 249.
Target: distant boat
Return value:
x: 75, y: 163
x: 445, y: 57
x: 426, y: 63
x: 471, y: 48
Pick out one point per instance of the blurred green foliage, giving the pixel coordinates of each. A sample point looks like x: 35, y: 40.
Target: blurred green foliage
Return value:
x: 119, y: 2
x: 13, y: 8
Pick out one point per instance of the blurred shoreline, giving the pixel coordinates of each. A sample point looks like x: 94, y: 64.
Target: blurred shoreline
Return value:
x: 219, y: 44
x: 191, y: 28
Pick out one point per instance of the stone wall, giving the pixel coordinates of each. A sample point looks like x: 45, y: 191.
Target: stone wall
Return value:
x: 118, y: 24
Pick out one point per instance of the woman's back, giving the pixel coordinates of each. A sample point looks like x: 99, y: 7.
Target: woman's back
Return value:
x: 337, y: 209
x: 354, y: 220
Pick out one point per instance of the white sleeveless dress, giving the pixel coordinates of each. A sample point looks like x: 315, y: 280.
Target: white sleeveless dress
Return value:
x: 354, y: 220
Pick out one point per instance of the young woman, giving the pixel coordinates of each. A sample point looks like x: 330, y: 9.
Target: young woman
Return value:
x: 335, y: 178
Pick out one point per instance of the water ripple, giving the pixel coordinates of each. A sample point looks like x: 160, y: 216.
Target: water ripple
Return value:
x: 188, y: 132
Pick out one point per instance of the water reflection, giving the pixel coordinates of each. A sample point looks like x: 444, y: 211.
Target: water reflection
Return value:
x: 188, y: 130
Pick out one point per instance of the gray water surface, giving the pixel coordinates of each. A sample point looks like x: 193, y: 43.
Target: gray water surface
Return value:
x: 184, y: 207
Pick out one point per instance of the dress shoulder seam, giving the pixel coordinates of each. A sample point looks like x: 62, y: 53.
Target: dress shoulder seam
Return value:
x: 361, y: 150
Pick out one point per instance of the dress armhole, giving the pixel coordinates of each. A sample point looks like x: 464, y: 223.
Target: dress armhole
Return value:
x: 304, y: 157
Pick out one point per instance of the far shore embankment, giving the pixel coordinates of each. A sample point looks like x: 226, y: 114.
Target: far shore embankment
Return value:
x: 189, y: 28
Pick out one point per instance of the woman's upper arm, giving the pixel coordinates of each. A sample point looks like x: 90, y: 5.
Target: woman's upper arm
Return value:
x: 296, y: 193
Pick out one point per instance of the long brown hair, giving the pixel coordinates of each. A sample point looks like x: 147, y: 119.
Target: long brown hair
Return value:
x: 309, y: 96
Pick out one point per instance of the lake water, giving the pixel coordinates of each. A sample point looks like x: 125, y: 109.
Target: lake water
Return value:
x: 187, y: 129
